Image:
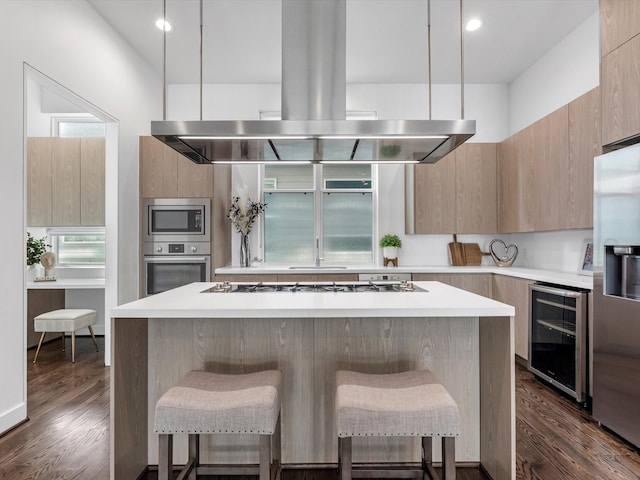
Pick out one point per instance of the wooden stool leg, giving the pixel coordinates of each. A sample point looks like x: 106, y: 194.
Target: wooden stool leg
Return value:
x: 39, y: 345
x: 93, y: 337
x: 427, y: 458
x: 448, y: 458
x: 194, y: 455
x: 165, y: 456
x: 63, y: 345
x: 73, y: 347
x: 344, y: 460
x: 276, y: 451
x: 265, y: 457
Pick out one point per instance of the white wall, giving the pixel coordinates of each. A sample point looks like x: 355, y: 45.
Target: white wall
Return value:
x: 567, y: 71
x: 72, y: 44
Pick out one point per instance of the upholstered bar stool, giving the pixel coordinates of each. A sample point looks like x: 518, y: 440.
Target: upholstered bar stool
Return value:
x: 407, y: 404
x: 65, y: 320
x: 212, y: 403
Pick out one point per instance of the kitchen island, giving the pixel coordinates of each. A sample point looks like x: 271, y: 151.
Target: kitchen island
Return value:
x: 466, y: 339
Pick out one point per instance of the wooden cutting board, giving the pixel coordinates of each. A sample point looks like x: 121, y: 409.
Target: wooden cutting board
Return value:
x: 472, y: 253
x: 456, y: 252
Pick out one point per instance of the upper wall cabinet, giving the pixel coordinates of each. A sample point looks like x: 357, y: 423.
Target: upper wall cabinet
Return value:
x: 545, y: 171
x: 456, y: 194
x: 164, y: 173
x: 65, y: 181
x: 619, y: 22
x: 584, y: 144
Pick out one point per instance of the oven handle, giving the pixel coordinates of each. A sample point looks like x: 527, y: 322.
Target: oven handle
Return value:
x: 556, y: 291
x: 175, y: 259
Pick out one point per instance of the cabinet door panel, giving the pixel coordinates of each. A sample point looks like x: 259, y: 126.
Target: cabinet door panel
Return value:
x: 476, y: 197
x: 478, y: 283
x: 432, y: 277
x: 65, y: 187
x: 194, y: 180
x: 435, y: 197
x: 619, y: 22
x: 39, y: 170
x: 92, y: 181
x: 515, y: 292
x: 619, y: 77
x: 158, y: 169
x: 584, y: 144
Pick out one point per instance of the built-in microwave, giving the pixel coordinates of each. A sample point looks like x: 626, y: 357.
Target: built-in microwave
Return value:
x: 176, y: 220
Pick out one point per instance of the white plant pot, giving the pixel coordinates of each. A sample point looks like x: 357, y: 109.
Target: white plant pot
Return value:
x: 390, y: 252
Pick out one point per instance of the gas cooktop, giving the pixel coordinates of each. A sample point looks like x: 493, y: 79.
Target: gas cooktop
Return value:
x: 347, y: 287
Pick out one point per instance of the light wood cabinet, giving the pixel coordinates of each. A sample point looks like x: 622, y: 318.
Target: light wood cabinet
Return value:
x: 619, y: 22
x: 456, y: 194
x: 435, y: 196
x: 584, y: 144
x: 619, y: 80
x: 476, y: 196
x: 41, y: 301
x: 164, y: 173
x: 478, y: 283
x: 65, y: 181
x: 515, y: 292
x: 432, y: 277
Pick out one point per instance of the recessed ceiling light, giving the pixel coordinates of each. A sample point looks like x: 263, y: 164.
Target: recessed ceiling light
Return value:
x: 473, y: 25
x: 163, y: 25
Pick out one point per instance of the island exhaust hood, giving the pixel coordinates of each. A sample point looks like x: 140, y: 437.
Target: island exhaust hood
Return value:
x: 313, y: 126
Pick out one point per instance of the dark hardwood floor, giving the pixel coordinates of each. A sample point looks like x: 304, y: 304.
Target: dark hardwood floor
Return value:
x: 67, y: 435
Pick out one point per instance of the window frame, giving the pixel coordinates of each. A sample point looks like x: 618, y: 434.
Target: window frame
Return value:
x: 318, y: 192
x: 55, y: 232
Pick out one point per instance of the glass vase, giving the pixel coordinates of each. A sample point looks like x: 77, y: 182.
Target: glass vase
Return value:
x: 245, y: 252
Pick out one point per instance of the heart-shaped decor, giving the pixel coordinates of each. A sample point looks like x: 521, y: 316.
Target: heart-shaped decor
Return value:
x: 503, y: 255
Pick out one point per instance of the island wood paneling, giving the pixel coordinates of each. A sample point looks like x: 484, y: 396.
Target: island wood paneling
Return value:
x: 65, y: 182
x: 446, y: 346
x: 619, y: 22
x: 129, y: 392
x: 584, y: 144
x: 497, y: 398
x: 308, y: 351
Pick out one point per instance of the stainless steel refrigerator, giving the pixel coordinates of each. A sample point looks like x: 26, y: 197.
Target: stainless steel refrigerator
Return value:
x: 616, y: 282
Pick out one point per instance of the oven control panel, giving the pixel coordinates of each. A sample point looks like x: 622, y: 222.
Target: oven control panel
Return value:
x: 176, y: 248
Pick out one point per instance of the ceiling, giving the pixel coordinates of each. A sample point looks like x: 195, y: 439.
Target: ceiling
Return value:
x: 386, y: 39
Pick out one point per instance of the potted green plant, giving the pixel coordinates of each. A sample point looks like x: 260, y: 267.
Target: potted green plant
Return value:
x: 35, y: 249
x: 390, y: 245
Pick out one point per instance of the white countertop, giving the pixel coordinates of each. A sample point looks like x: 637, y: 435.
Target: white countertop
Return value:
x: 539, y: 275
x: 439, y: 300
x: 68, y: 284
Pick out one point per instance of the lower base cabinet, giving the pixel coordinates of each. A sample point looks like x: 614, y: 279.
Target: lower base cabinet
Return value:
x: 478, y: 283
x: 515, y: 291
x: 41, y: 301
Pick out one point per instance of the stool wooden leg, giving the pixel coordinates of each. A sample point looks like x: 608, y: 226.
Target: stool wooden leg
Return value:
x: 344, y: 457
x: 63, y: 345
x: 39, y: 345
x: 448, y: 458
x: 265, y: 457
x: 276, y: 451
x: 93, y: 337
x: 165, y: 456
x: 427, y: 458
x: 73, y: 347
x: 194, y: 455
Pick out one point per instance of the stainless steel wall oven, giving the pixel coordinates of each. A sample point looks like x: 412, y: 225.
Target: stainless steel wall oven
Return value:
x: 176, y: 243
x: 558, y: 338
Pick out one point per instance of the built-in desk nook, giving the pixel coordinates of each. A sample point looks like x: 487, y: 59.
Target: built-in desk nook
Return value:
x: 465, y: 339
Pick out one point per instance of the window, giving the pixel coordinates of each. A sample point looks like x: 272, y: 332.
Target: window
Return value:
x: 331, y: 203
x: 78, y: 127
x: 84, y: 246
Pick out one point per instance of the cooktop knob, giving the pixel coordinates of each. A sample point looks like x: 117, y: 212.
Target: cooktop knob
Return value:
x: 158, y: 249
x: 194, y: 248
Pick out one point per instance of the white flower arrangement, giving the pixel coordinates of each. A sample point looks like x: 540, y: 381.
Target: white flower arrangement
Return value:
x: 243, y: 214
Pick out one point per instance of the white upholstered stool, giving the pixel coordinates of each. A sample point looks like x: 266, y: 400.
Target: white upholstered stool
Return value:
x: 65, y: 320
x: 212, y: 403
x: 407, y: 404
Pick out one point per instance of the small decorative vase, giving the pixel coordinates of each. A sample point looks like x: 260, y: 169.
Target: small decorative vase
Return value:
x: 245, y: 253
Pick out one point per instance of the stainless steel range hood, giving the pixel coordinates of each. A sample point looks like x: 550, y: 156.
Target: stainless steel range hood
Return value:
x: 314, y: 128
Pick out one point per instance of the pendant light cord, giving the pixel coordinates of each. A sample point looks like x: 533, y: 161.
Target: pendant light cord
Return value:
x: 429, y: 51
x: 164, y: 60
x: 461, y: 61
x: 201, y: 42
